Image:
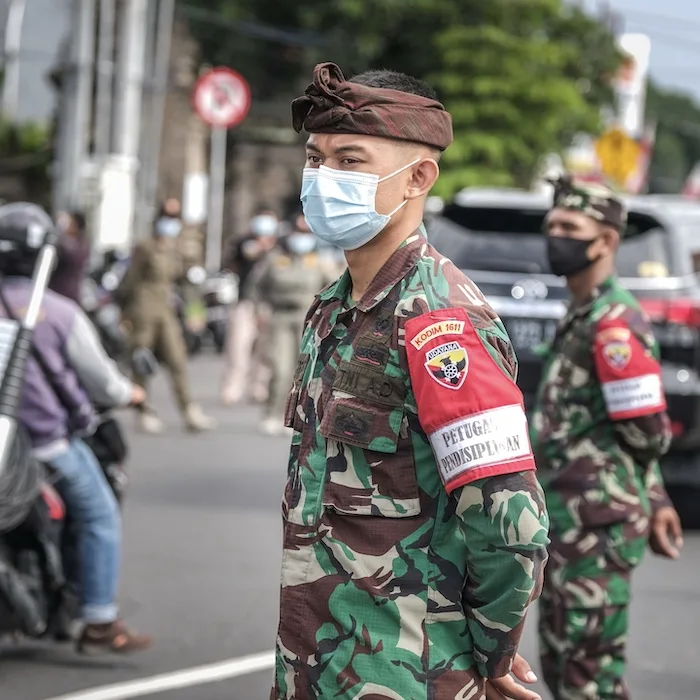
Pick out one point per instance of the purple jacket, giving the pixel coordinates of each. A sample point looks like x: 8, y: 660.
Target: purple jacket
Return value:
x: 69, y: 346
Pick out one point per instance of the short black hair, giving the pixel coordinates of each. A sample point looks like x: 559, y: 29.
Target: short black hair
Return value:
x: 265, y: 209
x: 391, y: 80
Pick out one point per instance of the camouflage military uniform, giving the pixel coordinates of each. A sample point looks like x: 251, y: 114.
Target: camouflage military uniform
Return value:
x: 598, y: 430
x: 415, y: 532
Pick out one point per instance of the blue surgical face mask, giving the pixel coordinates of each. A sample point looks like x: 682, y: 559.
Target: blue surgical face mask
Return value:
x: 339, y: 206
x: 301, y: 243
x: 264, y: 225
x: 168, y: 227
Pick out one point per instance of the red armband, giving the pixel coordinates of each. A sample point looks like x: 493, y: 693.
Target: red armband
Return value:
x: 629, y: 374
x: 471, y: 411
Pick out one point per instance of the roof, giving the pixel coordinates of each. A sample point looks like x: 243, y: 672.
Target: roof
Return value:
x: 658, y: 206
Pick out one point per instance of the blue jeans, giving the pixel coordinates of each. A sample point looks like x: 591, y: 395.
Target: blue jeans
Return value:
x: 91, y: 503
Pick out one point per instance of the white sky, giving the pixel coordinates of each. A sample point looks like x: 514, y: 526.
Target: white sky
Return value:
x: 674, y: 29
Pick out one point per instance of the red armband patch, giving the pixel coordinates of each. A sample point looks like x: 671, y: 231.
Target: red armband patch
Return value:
x: 471, y: 411
x: 629, y: 374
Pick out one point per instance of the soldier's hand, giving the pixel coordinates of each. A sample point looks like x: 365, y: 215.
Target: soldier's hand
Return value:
x: 666, y: 533
x: 506, y: 688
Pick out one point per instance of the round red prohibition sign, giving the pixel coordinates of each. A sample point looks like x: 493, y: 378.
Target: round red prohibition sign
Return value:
x: 222, y: 98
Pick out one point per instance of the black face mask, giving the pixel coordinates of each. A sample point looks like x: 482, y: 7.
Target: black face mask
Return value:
x: 567, y: 256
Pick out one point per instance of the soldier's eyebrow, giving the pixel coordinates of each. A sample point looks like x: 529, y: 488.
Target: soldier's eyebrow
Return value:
x: 344, y: 150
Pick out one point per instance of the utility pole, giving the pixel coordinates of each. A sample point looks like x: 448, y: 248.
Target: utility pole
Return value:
x: 105, y: 78
x: 13, y: 39
x: 151, y: 152
x: 132, y: 52
x: 75, y: 106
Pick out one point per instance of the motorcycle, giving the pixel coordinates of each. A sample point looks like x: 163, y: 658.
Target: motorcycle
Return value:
x: 202, y: 305
x: 39, y: 557
x: 220, y: 294
x: 98, y: 303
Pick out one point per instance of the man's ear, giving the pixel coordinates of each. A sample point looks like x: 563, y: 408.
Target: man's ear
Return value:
x: 612, y: 238
x: 423, y: 177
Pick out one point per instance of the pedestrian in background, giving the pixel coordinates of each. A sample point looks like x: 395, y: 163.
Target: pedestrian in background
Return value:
x: 598, y: 430
x: 145, y: 295
x: 73, y: 256
x: 290, y: 277
x: 241, y: 374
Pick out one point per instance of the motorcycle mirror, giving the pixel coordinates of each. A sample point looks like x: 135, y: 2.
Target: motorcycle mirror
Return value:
x: 110, y: 281
x: 196, y: 275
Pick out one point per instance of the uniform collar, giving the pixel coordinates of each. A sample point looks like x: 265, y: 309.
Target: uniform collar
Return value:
x: 401, y: 261
x: 603, y: 288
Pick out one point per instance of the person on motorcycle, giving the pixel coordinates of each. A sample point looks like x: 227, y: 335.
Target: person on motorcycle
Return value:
x: 145, y: 295
x: 83, y: 376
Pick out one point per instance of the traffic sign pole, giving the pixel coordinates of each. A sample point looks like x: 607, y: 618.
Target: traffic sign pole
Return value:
x: 217, y: 195
x: 222, y: 99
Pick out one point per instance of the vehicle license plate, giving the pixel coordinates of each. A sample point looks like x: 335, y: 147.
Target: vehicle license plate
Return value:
x: 526, y: 334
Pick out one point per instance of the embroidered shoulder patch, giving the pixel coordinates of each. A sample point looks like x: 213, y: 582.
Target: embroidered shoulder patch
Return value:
x: 448, y: 365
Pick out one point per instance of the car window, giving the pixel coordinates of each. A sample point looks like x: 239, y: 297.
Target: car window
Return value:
x: 512, y: 240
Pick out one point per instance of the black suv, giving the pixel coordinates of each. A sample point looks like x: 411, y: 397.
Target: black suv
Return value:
x: 496, y: 237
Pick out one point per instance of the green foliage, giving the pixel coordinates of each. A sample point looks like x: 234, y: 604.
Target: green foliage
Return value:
x: 677, y: 147
x: 25, y: 153
x: 22, y: 139
x: 519, y: 83
x: 520, y: 77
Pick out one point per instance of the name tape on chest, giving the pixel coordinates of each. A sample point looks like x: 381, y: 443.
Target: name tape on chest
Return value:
x: 489, y: 439
x: 447, y: 327
x: 634, y: 397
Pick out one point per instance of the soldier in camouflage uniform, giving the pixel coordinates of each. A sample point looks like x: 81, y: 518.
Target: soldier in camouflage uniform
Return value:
x: 415, y: 530
x: 598, y: 431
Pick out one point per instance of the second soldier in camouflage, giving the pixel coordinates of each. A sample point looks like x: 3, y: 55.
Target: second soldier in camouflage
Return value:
x: 598, y: 431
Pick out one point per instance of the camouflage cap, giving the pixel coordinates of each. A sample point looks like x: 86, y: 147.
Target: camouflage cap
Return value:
x: 334, y: 105
x: 593, y: 199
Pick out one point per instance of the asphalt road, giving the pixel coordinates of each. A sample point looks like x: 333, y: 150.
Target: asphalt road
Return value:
x: 201, y: 572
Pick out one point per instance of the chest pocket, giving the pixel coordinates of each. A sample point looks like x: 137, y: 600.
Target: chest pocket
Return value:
x: 370, y: 469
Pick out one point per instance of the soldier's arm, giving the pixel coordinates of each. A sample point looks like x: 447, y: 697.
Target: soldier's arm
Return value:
x: 656, y: 489
x: 628, y: 369
x: 479, y: 437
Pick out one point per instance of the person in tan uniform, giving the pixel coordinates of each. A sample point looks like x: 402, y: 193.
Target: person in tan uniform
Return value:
x: 289, y: 279
x: 242, y: 377
x: 145, y: 295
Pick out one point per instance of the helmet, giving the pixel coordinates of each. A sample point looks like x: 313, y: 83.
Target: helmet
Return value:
x: 24, y: 228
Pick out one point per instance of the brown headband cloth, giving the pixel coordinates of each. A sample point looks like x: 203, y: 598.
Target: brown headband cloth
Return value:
x: 333, y: 105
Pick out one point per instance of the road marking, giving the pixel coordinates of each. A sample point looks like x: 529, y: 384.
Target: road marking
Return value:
x: 199, y: 675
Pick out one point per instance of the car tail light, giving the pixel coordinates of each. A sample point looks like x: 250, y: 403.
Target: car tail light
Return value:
x: 682, y: 312
x: 677, y: 428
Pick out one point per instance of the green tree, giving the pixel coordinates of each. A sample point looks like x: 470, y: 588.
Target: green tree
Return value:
x: 519, y: 76
x: 520, y: 82
x: 677, y: 147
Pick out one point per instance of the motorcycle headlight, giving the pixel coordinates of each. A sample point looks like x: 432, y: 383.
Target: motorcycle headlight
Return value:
x: 226, y: 294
